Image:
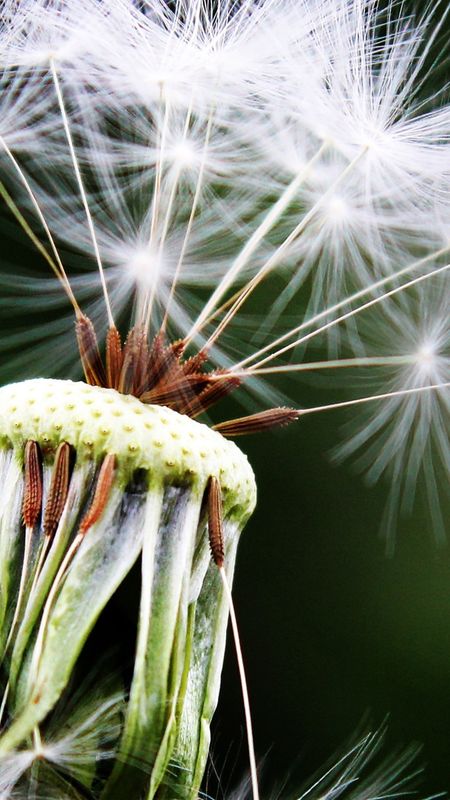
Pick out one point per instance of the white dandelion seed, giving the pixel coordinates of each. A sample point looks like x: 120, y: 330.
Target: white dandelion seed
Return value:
x: 408, y: 436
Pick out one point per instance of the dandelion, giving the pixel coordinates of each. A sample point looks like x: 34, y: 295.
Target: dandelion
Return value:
x: 179, y: 166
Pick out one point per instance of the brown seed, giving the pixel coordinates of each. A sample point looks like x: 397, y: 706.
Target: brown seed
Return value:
x: 195, y: 363
x: 89, y: 352
x: 32, y: 496
x: 162, y: 360
x: 101, y: 494
x: 59, y: 487
x: 114, y: 357
x: 215, y: 526
x: 221, y: 384
x: 255, y: 423
x: 134, y: 372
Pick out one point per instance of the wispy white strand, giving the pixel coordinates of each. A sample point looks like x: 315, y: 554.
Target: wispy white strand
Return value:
x: 263, y: 228
x: 370, y: 398
x: 244, y: 687
x: 358, y: 310
x: 81, y: 188
x: 42, y: 220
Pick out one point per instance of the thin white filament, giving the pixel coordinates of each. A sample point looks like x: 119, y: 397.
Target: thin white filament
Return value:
x: 24, y: 225
x: 62, y: 275
x: 81, y: 188
x: 274, y: 259
x: 369, y: 398
x: 52, y: 594
x: 158, y: 172
x: 198, y: 189
x: 370, y: 361
x: 348, y: 300
x: 23, y: 578
x: 173, y: 191
x: 148, y: 303
x: 40, y: 564
x: 243, y: 679
x: 4, y: 700
x: 253, y: 243
x: 349, y: 314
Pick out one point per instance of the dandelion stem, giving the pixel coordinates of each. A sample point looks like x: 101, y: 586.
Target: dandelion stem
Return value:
x: 243, y: 679
x: 79, y: 178
x: 62, y: 273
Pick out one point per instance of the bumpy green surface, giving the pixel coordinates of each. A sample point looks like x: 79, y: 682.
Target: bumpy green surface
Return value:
x: 98, y: 421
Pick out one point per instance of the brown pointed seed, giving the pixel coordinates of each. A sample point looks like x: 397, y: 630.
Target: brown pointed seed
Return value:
x: 134, y: 372
x: 101, y: 494
x: 32, y: 495
x: 59, y: 487
x: 89, y: 352
x: 255, y: 423
x: 155, y: 356
x: 220, y: 386
x: 162, y: 360
x: 114, y: 357
x: 178, y: 391
x: 194, y: 363
x: 215, y: 528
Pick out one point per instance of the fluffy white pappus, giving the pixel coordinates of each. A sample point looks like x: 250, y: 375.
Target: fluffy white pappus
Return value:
x: 37, y: 32
x: 363, y: 773
x: 12, y: 768
x: 186, y: 55
x: 360, y: 772
x: 366, y: 95
x: 26, y: 111
x: 347, y: 243
x: 75, y: 741
x: 201, y: 54
x: 405, y: 438
x: 138, y: 262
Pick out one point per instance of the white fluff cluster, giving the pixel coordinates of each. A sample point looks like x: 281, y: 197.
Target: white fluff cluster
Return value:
x: 195, y: 160
x: 360, y: 772
x: 79, y: 736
